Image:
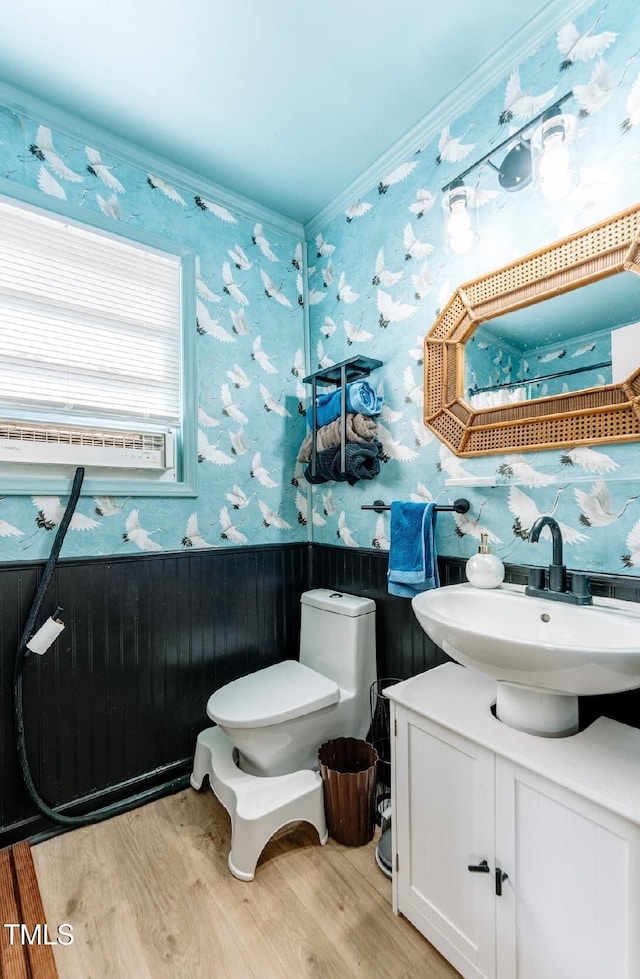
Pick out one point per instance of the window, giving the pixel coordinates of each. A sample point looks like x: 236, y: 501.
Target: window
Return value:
x: 95, y: 358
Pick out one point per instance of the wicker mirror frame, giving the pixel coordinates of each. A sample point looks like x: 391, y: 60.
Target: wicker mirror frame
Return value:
x: 602, y: 414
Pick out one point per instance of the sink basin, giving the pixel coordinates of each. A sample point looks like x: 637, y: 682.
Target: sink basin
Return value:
x: 537, y: 643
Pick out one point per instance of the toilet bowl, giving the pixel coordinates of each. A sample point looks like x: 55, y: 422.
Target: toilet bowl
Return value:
x: 271, y: 723
x: 278, y: 717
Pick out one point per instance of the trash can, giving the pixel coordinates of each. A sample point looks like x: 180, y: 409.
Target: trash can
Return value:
x: 348, y: 770
x: 379, y: 736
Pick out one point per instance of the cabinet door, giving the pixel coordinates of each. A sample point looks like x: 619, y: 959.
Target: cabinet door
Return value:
x: 443, y: 813
x: 569, y: 908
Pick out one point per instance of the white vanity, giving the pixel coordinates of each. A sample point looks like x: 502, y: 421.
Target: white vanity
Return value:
x: 517, y: 856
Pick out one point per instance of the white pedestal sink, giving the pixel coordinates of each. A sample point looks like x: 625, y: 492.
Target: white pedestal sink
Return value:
x: 543, y: 654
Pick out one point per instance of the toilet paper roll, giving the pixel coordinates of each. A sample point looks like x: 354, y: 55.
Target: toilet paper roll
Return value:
x: 46, y: 634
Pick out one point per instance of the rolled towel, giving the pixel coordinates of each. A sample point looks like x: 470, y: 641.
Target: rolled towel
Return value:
x: 360, y: 397
x: 361, y: 461
x: 358, y: 428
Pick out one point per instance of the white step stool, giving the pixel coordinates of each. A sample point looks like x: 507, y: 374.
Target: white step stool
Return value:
x: 257, y: 806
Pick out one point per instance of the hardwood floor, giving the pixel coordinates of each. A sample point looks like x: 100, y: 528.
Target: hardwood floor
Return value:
x: 21, y: 904
x: 149, y: 896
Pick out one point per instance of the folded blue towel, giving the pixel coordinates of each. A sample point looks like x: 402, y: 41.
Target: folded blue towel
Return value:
x: 360, y: 398
x: 413, y: 565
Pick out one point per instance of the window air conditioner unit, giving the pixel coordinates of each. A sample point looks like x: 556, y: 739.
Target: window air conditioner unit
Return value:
x: 46, y: 445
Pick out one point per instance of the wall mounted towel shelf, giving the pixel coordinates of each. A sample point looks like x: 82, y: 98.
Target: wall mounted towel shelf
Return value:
x: 346, y: 370
x: 458, y: 506
x: 338, y: 374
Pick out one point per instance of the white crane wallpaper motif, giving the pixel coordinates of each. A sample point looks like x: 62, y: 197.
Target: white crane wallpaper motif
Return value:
x: 385, y: 272
x: 249, y: 357
x: 378, y: 274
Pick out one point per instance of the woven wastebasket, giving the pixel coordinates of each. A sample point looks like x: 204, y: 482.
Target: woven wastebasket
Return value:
x: 348, y: 770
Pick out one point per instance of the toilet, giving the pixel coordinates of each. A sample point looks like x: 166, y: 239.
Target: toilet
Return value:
x: 262, y: 757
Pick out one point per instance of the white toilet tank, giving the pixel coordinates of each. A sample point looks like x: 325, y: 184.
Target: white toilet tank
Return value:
x: 338, y: 638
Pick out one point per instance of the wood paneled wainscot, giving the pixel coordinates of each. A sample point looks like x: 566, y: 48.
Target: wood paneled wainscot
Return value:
x: 517, y: 856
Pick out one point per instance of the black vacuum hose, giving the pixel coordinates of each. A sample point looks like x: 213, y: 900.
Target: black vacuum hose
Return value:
x: 23, y: 652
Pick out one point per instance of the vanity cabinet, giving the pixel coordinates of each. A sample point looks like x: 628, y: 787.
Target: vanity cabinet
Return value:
x: 518, y: 857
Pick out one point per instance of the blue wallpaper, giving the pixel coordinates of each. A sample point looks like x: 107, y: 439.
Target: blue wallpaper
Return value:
x: 379, y: 273
x: 384, y: 271
x: 249, y: 359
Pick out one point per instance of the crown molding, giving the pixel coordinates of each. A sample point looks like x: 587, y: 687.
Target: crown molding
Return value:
x: 485, y: 77
x: 23, y: 103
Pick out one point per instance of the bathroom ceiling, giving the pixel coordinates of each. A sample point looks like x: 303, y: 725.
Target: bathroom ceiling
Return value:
x: 285, y: 103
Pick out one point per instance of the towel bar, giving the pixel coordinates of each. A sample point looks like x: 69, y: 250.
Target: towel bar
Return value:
x: 458, y: 506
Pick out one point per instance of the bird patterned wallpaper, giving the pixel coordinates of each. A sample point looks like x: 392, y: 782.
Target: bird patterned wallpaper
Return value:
x: 381, y: 272
x: 249, y: 324
x: 378, y: 275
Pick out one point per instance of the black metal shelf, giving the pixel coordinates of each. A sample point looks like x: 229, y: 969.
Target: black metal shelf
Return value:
x: 339, y: 374
x: 354, y: 368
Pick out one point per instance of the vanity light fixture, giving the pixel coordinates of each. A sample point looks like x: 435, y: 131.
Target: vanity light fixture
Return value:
x: 540, y: 152
x: 459, y: 215
x: 514, y: 173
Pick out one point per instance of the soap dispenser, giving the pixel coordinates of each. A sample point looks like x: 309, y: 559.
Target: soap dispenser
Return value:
x: 484, y: 569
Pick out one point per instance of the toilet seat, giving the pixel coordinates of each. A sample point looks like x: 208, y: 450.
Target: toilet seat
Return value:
x: 272, y: 695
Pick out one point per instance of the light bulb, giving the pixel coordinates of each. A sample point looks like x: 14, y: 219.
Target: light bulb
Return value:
x: 462, y: 242
x: 555, y: 158
x: 459, y: 224
x: 461, y: 237
x: 460, y: 220
x: 555, y: 175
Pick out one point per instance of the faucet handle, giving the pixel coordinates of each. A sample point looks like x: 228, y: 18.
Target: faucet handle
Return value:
x: 580, y: 586
x: 536, y: 578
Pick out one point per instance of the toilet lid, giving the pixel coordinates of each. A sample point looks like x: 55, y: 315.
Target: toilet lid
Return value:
x: 277, y: 693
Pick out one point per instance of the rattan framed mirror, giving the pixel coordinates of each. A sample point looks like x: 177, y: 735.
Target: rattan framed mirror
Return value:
x: 609, y: 412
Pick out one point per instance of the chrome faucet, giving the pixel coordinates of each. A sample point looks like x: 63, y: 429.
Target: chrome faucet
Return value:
x: 557, y: 590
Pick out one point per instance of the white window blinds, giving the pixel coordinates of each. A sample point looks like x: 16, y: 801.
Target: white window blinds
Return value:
x: 89, y: 324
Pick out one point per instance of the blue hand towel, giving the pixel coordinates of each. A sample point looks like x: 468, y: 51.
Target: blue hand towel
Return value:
x: 360, y: 398
x: 413, y: 565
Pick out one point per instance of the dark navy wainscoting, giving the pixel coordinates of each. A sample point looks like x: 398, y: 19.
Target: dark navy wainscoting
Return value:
x: 402, y: 646
x: 115, y: 706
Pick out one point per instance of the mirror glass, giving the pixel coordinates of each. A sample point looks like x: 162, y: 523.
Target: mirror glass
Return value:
x: 583, y: 338
x: 564, y: 320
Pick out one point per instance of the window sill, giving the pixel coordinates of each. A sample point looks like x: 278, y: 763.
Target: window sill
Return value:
x: 60, y: 485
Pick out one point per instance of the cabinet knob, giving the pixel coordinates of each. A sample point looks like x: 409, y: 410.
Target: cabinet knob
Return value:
x: 479, y: 868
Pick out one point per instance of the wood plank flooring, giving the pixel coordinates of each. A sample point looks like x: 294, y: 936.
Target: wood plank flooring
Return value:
x: 149, y: 896
x: 23, y: 956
